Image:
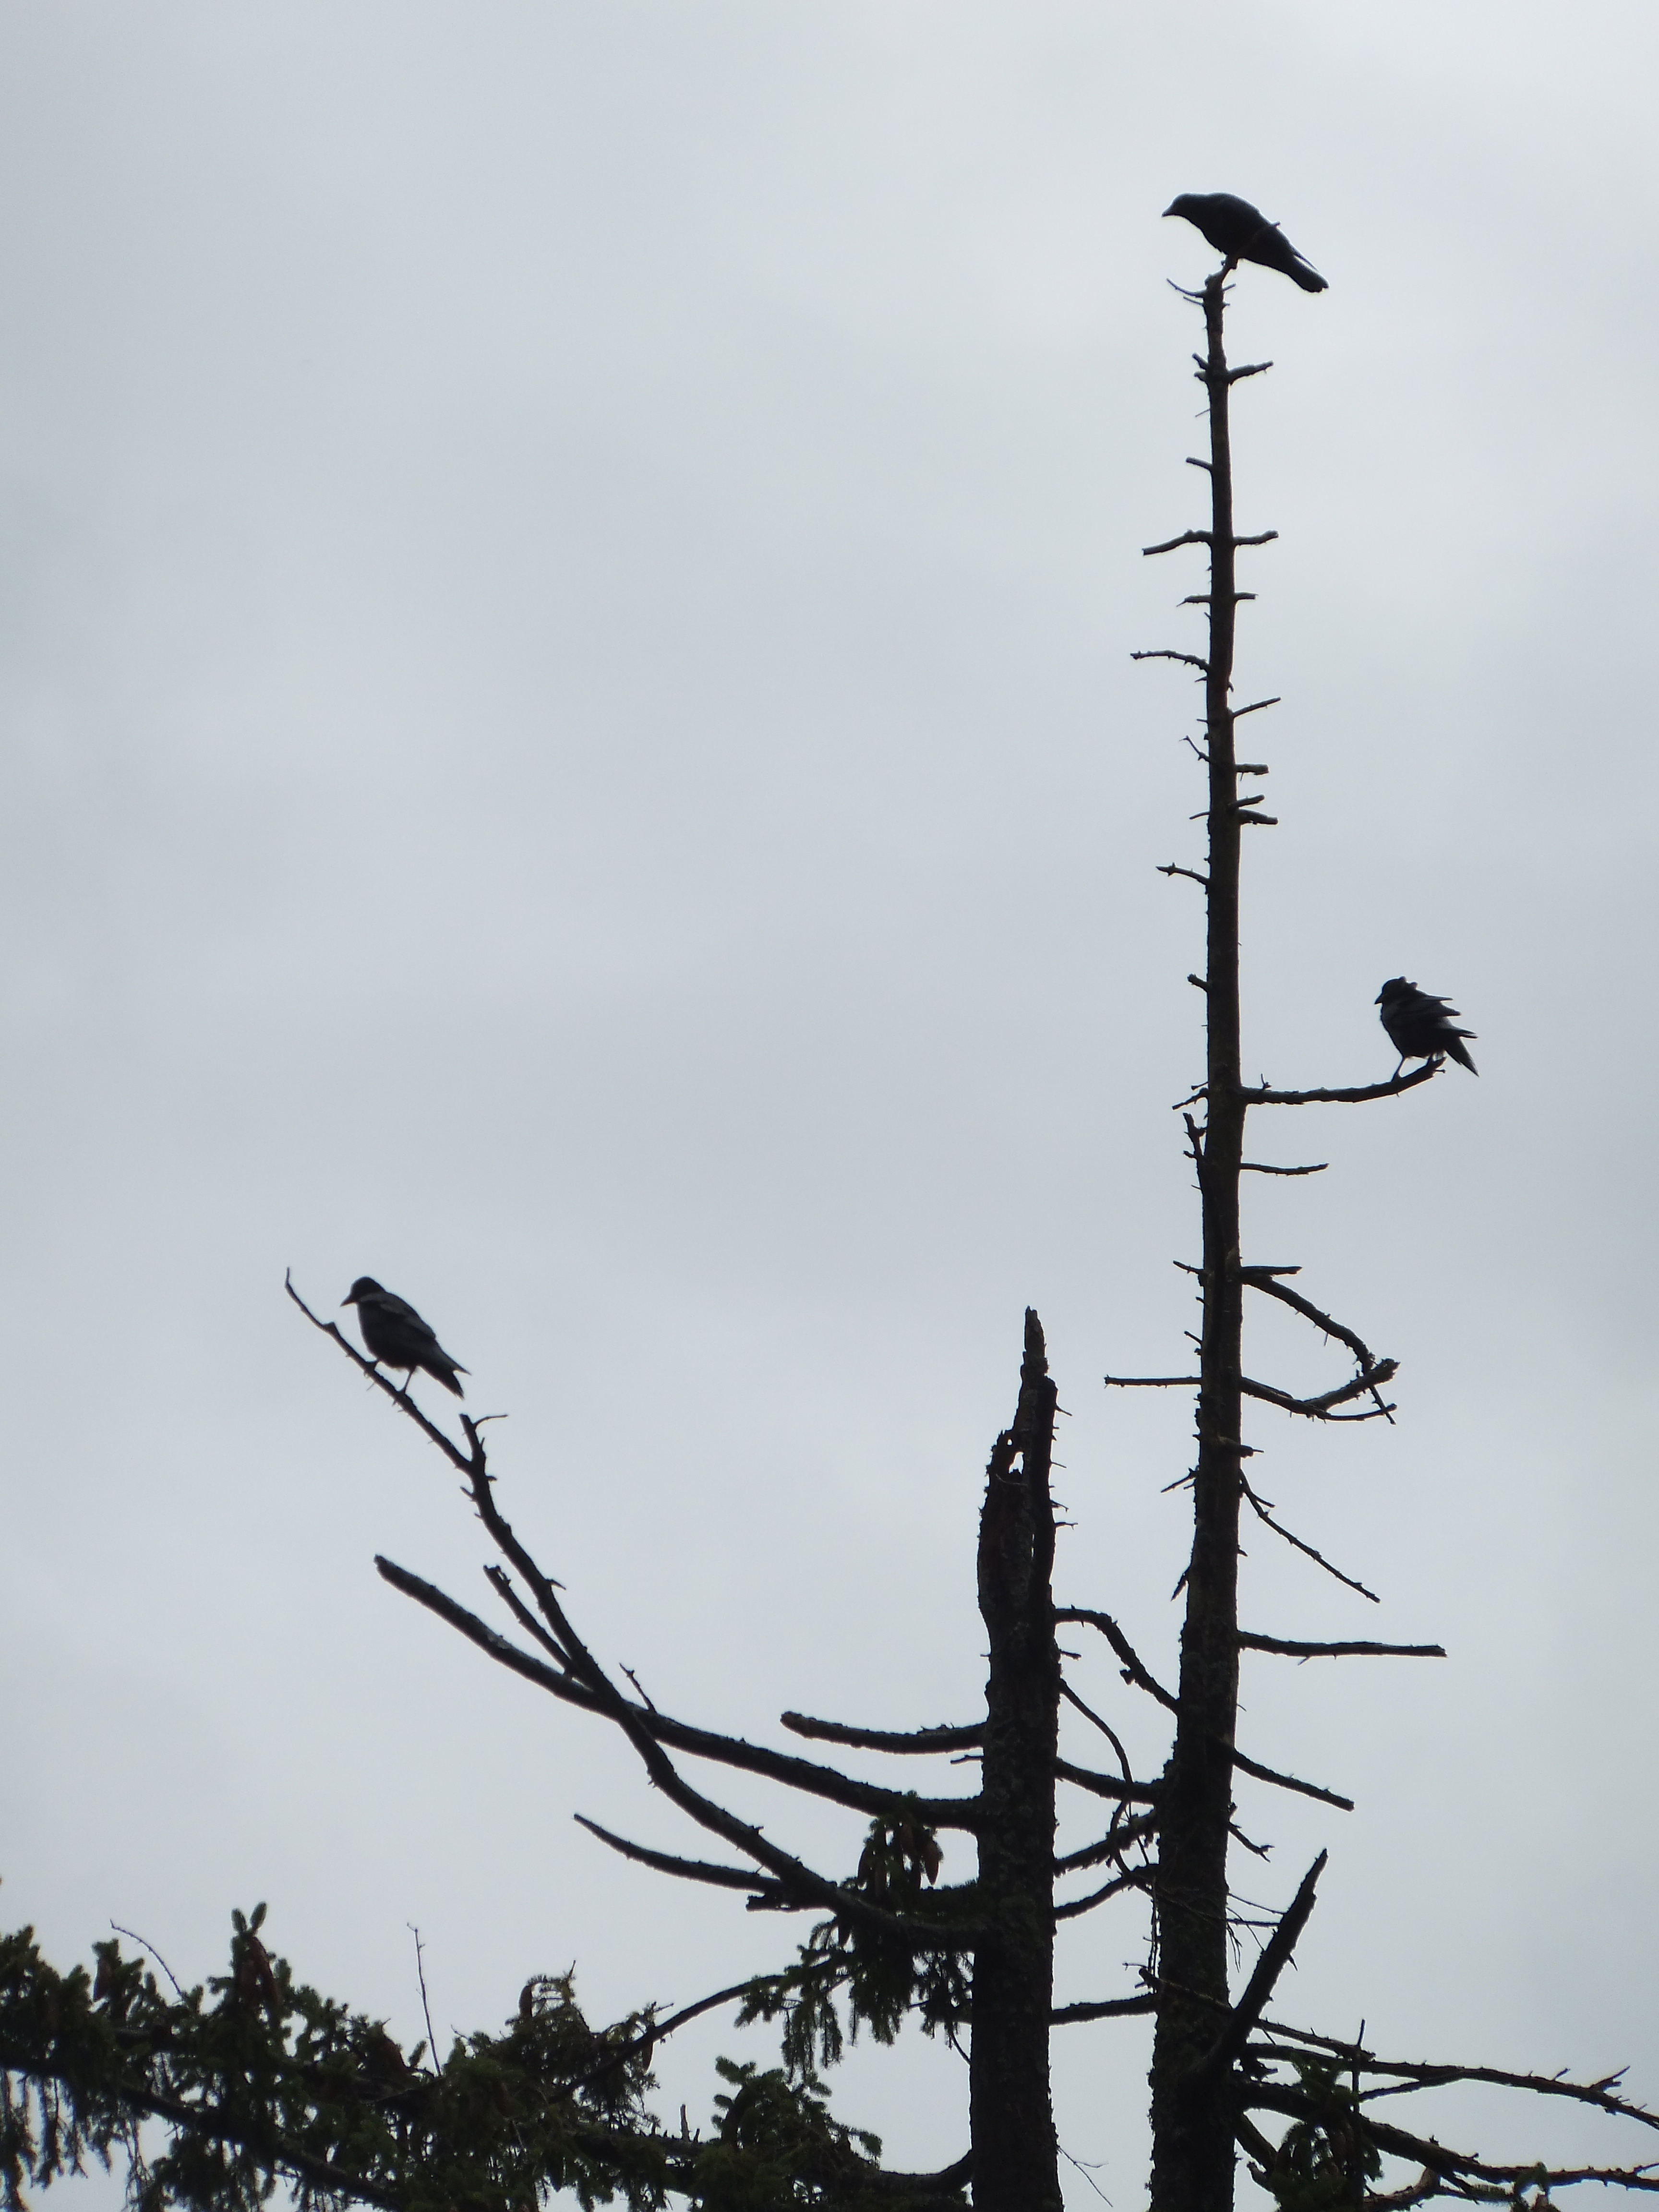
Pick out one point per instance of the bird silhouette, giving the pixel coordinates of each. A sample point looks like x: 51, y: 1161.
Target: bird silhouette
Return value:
x: 1243, y: 232
x: 395, y: 1335
x: 1419, y: 1027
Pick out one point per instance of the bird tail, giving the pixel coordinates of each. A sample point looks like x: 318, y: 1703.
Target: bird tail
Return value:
x: 447, y: 1376
x: 1309, y: 279
x: 1459, y: 1050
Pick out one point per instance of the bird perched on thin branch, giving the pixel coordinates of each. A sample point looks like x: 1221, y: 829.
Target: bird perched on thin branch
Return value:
x: 1419, y: 1027
x: 395, y: 1335
x: 1243, y: 232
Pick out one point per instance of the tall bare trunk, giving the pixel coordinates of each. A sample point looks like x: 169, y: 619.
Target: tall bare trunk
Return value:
x: 1192, y: 2153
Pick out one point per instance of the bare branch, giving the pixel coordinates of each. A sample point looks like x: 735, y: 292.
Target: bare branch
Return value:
x: 1150, y: 1382
x: 934, y: 1739
x: 1113, y: 2009
x: 1106, y: 1785
x: 1307, y: 1550
x: 1112, y: 1845
x: 1259, y: 1167
x: 700, y: 1743
x: 502, y: 1582
x: 1391, y: 1089
x: 1106, y: 1729
x: 1435, y: 2158
x: 720, y: 1877
x: 654, y: 2034
x: 1133, y: 1669
x: 1262, y: 1278
x: 1135, y: 1878
x: 1268, y: 1967
x: 1192, y: 876
x: 1170, y: 544
x: 1320, y: 1409
x: 1291, y: 1651
x: 1191, y: 660
x: 1290, y: 1781
x: 1410, y: 2075
x: 925, y: 2190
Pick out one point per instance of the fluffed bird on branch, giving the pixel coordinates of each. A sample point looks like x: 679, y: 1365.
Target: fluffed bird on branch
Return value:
x: 1420, y: 1027
x: 395, y: 1336
x: 1243, y: 232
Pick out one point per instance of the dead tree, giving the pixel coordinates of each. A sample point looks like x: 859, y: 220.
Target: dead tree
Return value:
x: 271, y: 2080
x: 1214, y: 2062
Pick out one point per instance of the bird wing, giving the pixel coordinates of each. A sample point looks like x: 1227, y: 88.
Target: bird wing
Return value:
x: 399, y: 1310
x: 1235, y: 218
x: 1272, y: 250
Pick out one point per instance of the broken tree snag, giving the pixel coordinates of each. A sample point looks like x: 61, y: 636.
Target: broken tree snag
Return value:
x: 1016, y: 2162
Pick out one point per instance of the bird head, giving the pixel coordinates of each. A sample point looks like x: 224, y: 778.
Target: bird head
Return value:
x: 364, y: 1287
x: 1396, y: 987
x: 1182, y: 204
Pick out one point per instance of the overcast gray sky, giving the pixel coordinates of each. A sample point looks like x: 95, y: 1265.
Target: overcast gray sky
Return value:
x: 569, y: 578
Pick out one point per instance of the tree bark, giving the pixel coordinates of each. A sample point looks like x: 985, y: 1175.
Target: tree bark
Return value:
x: 1192, y: 2157
x: 1015, y: 2165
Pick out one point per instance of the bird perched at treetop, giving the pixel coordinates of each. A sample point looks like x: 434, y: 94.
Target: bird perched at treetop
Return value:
x: 1419, y: 1027
x: 395, y: 1334
x: 1243, y: 232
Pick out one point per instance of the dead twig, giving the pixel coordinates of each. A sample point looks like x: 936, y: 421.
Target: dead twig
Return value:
x: 1307, y: 1550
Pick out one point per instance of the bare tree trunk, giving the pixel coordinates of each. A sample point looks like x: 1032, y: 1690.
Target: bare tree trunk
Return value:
x: 1193, y: 2155
x: 1015, y: 2162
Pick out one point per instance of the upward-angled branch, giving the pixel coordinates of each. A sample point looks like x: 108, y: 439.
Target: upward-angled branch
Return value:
x: 718, y: 1877
x: 640, y: 1726
x: 1269, y: 1966
x: 801, y: 1774
x: 1324, y: 1407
